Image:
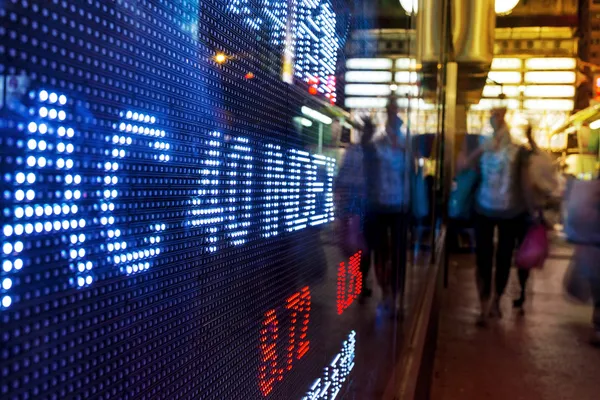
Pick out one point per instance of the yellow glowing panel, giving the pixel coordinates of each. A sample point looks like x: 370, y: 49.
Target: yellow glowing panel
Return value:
x: 550, y: 77
x: 488, y: 104
x: 549, y: 105
x: 365, y: 102
x: 369, y: 63
x: 368, y: 76
x: 506, y: 63
x: 406, y: 77
x: 367, y: 90
x: 550, y: 63
x: 550, y: 91
x: 415, y: 104
x: 406, y: 63
x: 407, y: 89
x: 505, y: 77
x: 496, y: 90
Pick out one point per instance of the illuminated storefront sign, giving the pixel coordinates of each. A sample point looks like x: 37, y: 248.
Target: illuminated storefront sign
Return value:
x: 531, y: 83
x: 372, y: 80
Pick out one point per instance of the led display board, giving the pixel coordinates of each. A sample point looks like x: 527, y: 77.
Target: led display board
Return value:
x: 163, y: 222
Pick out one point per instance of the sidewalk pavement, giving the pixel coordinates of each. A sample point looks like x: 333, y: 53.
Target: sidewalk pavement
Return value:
x: 543, y: 354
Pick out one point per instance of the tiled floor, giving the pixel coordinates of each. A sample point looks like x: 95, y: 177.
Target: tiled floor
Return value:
x: 541, y: 355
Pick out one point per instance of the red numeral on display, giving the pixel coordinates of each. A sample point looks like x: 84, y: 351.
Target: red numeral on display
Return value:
x: 349, y: 283
x: 270, y: 371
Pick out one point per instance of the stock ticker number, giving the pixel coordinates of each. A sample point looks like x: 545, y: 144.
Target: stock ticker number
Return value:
x: 295, y: 343
x: 349, y: 282
x: 57, y: 197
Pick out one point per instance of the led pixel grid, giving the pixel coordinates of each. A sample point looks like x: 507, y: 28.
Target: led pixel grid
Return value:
x: 154, y: 203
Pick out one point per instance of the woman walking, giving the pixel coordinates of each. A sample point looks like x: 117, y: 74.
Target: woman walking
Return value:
x: 500, y: 204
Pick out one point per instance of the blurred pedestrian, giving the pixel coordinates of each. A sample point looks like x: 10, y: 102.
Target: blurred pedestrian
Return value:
x: 499, y: 204
x: 350, y: 199
x: 387, y: 205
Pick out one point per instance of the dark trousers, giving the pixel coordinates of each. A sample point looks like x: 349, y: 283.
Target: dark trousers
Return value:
x: 386, y: 234
x: 510, y: 231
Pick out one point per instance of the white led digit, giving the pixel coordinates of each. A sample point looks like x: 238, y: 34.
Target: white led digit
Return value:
x: 41, y: 214
x: 328, y: 386
x: 238, y: 210
x: 321, y: 199
x: 130, y: 257
x: 274, y: 175
x: 292, y: 216
x: 206, y: 209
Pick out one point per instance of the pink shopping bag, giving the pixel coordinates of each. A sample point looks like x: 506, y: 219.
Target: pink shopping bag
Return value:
x: 534, y: 249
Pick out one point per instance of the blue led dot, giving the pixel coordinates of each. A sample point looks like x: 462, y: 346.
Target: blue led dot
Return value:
x: 18, y: 229
x: 7, y: 265
x: 18, y: 264
x: 6, y: 283
x: 53, y: 97
x: 31, y: 177
x: 19, y: 196
x: 8, y: 230
x: 43, y: 128
x: 62, y: 99
x: 7, y: 248
x: 20, y: 177
x: 43, y: 112
x: 43, y: 95
x: 6, y: 301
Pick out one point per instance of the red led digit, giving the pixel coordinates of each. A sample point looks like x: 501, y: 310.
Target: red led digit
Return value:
x: 299, y: 306
x: 269, y: 371
x: 349, y: 282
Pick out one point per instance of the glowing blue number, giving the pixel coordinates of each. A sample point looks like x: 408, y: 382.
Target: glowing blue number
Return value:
x: 137, y: 258
x: 293, y: 219
x: 205, y: 211
x: 238, y: 215
x: 275, y: 180
x: 42, y: 213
